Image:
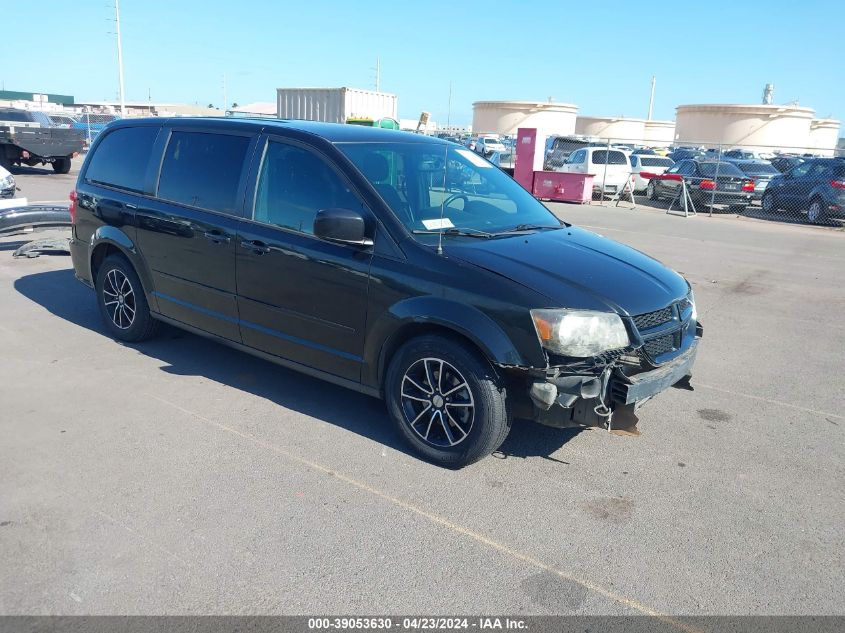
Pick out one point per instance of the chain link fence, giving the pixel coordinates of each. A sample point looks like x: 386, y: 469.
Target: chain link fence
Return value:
x: 774, y: 183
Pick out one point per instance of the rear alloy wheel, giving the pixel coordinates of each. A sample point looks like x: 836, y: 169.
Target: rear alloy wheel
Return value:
x: 446, y: 401
x: 816, y: 214
x: 123, y: 305
x: 651, y: 191
x: 768, y: 202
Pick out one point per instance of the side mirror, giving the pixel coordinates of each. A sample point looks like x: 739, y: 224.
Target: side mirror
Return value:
x: 343, y: 226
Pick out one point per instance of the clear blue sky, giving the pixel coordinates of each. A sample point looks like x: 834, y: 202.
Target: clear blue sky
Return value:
x: 598, y: 55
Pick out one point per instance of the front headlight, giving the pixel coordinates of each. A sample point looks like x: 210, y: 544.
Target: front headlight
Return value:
x: 8, y: 181
x: 691, y: 298
x: 579, y: 333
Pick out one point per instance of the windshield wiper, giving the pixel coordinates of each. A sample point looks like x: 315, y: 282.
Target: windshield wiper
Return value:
x: 520, y: 228
x: 455, y: 231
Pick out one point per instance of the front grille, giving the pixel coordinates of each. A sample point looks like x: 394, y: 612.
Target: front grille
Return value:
x: 660, y: 345
x: 653, y: 319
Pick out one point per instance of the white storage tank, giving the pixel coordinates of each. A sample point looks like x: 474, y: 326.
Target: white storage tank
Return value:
x: 334, y: 105
x: 824, y: 136
x: 759, y: 126
x: 505, y: 117
x: 615, y: 128
x: 659, y: 133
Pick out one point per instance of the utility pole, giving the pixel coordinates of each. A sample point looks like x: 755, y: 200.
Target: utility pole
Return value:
x: 120, y: 59
x: 449, y: 111
x: 651, y: 100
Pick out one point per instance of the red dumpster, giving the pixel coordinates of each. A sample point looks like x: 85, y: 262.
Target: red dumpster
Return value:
x: 563, y: 187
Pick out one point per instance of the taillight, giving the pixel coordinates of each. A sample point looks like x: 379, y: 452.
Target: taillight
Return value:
x: 707, y: 184
x: 837, y: 184
x: 748, y: 185
x: 72, y: 206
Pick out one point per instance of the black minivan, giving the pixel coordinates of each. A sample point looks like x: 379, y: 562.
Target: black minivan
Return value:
x: 403, y: 266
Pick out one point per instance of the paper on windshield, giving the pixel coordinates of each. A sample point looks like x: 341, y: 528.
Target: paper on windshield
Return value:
x: 438, y: 223
x: 474, y: 158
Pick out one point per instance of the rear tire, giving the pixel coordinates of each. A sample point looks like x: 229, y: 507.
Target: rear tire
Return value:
x: 816, y: 212
x: 123, y: 305
x: 62, y: 165
x: 446, y: 401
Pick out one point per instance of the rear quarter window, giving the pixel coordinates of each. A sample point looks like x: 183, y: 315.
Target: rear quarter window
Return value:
x: 602, y: 156
x: 120, y: 159
x: 203, y: 170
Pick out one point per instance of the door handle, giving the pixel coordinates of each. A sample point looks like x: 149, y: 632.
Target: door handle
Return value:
x: 259, y: 248
x: 217, y: 237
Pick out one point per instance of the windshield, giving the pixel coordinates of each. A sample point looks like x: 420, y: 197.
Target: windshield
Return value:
x: 416, y: 179
x: 758, y: 169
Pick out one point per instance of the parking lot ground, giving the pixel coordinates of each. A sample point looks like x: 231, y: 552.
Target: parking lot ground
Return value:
x: 179, y: 476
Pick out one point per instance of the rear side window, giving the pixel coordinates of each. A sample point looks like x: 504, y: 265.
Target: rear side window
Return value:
x: 203, y: 170
x: 11, y: 115
x: 121, y: 158
x: 602, y: 156
x: 648, y: 161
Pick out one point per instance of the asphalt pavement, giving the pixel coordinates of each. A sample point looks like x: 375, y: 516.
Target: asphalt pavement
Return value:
x: 179, y: 476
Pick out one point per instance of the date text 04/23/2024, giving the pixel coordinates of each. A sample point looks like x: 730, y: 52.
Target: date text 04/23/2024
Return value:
x: 416, y: 623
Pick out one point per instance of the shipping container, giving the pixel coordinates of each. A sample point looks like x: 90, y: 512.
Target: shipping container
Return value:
x: 334, y: 105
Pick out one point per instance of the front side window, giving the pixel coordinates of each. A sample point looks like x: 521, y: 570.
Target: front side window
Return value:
x: 121, y: 157
x: 203, y: 170
x: 294, y: 184
x: 433, y: 187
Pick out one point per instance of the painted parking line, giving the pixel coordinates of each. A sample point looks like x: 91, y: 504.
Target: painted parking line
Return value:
x: 439, y: 520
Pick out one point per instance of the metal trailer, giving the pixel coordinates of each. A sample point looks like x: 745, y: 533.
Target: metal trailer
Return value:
x: 334, y: 105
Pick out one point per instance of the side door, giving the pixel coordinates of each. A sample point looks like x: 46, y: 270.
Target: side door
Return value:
x: 300, y: 297
x: 819, y: 175
x: 790, y: 187
x: 672, y: 187
x: 187, y: 231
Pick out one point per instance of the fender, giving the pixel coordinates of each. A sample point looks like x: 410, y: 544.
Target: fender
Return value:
x: 112, y: 235
x: 429, y: 310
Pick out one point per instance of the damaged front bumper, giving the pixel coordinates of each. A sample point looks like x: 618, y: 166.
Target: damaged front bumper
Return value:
x: 609, y: 397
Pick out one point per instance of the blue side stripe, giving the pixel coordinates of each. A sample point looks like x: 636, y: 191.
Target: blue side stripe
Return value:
x: 260, y: 328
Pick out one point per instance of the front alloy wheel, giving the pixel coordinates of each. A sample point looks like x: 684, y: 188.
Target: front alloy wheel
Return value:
x: 446, y: 400
x: 437, y: 403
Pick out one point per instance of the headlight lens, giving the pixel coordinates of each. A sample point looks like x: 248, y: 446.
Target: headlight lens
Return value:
x: 692, y: 302
x: 8, y: 181
x: 579, y: 333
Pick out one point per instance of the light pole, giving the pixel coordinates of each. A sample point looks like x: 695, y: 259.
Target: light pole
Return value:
x: 120, y: 58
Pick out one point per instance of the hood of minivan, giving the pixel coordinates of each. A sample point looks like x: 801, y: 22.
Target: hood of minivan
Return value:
x: 575, y: 268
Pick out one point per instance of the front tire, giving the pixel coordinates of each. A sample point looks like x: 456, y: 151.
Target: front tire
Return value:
x: 651, y: 191
x: 123, y: 305
x: 446, y: 401
x: 768, y: 202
